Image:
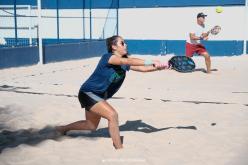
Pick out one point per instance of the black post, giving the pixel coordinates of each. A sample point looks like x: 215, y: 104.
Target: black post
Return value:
x: 90, y: 21
x: 117, y: 17
x: 57, y: 8
x: 83, y: 19
x: 15, y: 19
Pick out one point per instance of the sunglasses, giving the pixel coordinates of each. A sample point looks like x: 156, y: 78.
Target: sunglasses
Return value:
x: 123, y: 43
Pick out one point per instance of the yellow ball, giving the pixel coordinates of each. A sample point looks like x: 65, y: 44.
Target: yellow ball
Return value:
x: 219, y: 9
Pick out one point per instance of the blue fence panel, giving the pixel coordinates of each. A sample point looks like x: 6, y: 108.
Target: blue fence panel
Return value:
x: 78, y: 4
x: 18, y: 2
x: 183, y: 3
x: 177, y: 47
x: 144, y: 46
x: 15, y: 57
x: 224, y: 48
x: 72, y: 51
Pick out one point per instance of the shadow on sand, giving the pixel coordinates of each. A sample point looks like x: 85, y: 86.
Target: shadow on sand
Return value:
x: 204, y: 70
x: 136, y: 126
x: 11, y: 139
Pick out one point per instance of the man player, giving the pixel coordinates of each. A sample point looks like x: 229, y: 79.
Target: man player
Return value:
x: 193, y: 42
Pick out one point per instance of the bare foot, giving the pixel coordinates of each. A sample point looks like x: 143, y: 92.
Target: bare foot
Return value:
x: 117, y: 148
x: 120, y: 147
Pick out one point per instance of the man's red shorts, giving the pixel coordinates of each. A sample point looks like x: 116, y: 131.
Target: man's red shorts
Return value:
x: 194, y: 48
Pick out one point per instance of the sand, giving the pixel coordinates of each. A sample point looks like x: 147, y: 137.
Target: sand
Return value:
x: 165, y: 117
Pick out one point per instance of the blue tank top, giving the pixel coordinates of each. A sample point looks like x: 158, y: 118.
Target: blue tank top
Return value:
x: 106, y: 79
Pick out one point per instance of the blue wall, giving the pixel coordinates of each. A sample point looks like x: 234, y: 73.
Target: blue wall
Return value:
x: 78, y: 49
x: 14, y: 57
x: 80, y: 4
x: 224, y: 48
x: 72, y: 51
x: 176, y: 3
x: 177, y: 47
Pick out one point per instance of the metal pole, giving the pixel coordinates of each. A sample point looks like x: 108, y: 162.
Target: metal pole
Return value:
x: 117, y: 17
x: 84, y: 19
x: 245, y: 28
x: 57, y: 3
x: 15, y: 19
x: 40, y: 33
x: 90, y: 21
x: 30, y: 26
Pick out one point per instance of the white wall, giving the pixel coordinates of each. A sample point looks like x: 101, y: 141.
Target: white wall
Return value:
x: 70, y: 23
x: 135, y: 23
x: 175, y: 23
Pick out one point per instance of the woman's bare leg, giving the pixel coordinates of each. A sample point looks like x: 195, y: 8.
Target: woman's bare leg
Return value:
x: 91, y: 123
x: 101, y: 109
x: 108, y: 112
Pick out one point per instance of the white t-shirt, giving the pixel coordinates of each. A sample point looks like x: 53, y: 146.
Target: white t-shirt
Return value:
x: 198, y: 30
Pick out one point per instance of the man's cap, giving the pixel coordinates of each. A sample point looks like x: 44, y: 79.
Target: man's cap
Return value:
x: 201, y: 15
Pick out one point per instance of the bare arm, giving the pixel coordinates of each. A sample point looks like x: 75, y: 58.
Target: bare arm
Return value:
x: 144, y: 68
x: 137, y: 64
x: 194, y: 37
x: 160, y: 66
x: 204, y: 36
x: 115, y: 60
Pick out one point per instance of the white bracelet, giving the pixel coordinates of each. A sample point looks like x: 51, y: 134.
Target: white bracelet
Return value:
x: 148, y: 62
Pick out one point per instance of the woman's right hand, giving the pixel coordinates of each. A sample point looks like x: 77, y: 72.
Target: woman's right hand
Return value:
x: 161, y: 65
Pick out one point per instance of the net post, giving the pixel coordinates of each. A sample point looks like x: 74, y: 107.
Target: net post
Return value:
x: 41, y: 62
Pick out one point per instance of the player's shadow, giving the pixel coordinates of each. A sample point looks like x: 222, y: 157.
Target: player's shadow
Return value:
x: 11, y: 139
x: 204, y: 70
x: 136, y: 125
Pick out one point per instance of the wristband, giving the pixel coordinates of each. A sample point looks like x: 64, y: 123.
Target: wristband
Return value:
x: 148, y: 62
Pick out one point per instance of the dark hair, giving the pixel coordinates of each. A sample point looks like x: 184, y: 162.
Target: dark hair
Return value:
x: 111, y: 41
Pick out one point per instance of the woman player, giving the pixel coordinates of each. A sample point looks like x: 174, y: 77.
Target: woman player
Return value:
x: 104, y: 82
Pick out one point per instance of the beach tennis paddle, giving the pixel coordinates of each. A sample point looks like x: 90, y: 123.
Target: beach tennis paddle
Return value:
x: 182, y: 64
x: 215, y: 30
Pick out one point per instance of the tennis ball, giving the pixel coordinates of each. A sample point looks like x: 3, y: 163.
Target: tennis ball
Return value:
x: 219, y: 9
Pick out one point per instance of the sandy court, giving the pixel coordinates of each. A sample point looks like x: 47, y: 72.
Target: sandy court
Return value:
x: 165, y: 117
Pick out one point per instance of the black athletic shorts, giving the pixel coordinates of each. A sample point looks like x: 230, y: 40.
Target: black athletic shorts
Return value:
x: 88, y: 99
